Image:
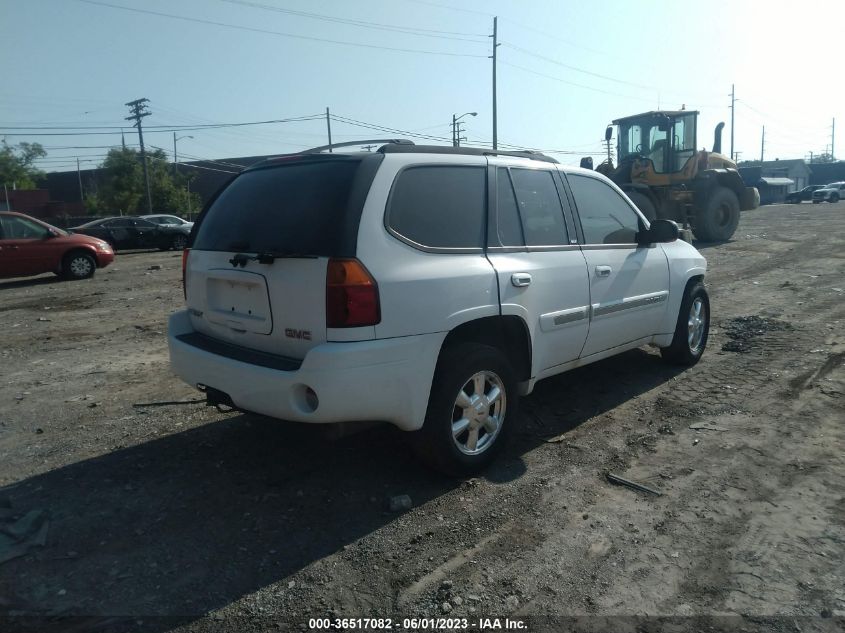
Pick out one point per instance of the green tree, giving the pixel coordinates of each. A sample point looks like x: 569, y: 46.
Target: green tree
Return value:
x: 16, y: 164
x: 824, y: 158
x: 124, y: 188
x: 124, y: 182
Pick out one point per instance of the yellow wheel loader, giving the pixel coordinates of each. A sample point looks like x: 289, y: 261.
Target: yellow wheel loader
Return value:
x: 660, y: 169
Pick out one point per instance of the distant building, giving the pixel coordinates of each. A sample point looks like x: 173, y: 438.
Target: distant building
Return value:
x: 824, y: 173
x: 38, y: 203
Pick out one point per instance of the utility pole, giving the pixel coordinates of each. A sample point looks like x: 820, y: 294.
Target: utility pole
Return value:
x: 733, y: 109
x: 495, y: 37
x: 329, y: 127
x: 175, y: 156
x: 454, y: 127
x: 122, y: 141
x: 811, y: 157
x: 832, y: 137
x: 79, y: 177
x: 369, y: 148
x: 458, y: 137
x: 138, y: 108
x: 763, y: 145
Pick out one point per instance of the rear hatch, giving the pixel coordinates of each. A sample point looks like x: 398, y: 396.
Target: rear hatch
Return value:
x: 256, y: 273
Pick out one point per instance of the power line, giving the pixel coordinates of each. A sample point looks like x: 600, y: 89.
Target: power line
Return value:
x: 277, y: 33
x: 575, y: 68
x: 443, y: 6
x: 410, y: 30
x: 197, y: 126
x: 572, y: 83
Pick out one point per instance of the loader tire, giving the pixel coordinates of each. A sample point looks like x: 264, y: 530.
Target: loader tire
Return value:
x: 717, y: 222
x: 643, y: 204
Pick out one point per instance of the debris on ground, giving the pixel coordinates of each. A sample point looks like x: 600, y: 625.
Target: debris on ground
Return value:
x: 744, y: 329
x: 616, y: 479
x: 400, y: 502
x: 20, y: 533
x: 706, y: 426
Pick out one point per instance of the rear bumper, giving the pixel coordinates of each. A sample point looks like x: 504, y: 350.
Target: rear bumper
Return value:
x: 385, y: 380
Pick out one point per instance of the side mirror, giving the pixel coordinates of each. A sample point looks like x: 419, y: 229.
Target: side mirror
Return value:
x: 660, y: 231
x: 608, y: 133
x: 587, y: 162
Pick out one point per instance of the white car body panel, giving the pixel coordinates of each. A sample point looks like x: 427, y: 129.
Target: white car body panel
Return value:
x: 384, y: 372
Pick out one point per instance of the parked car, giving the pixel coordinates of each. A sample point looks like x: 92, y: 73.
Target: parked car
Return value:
x: 29, y: 246
x: 834, y: 192
x: 130, y: 232
x: 796, y: 197
x: 427, y: 287
x: 167, y: 220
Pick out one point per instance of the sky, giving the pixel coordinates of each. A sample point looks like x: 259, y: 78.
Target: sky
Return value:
x: 565, y: 70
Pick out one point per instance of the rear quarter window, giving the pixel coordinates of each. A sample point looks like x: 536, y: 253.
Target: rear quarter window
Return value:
x: 295, y: 208
x: 439, y: 206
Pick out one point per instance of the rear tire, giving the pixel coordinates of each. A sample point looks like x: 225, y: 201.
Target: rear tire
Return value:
x: 179, y: 242
x: 717, y: 222
x: 471, y: 410
x: 644, y: 204
x: 691, y: 329
x: 78, y: 265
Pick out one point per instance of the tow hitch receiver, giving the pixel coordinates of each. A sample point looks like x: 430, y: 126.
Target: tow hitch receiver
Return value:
x: 216, y: 398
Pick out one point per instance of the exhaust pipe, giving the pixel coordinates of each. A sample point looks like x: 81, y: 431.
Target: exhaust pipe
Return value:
x: 717, y: 139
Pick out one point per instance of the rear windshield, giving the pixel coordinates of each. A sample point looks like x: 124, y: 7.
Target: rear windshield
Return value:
x: 298, y: 208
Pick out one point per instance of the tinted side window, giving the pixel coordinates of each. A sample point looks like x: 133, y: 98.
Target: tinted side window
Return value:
x: 605, y: 216
x: 539, y: 208
x: 15, y: 228
x: 509, y: 230
x: 441, y: 207
x: 144, y: 224
x: 118, y: 224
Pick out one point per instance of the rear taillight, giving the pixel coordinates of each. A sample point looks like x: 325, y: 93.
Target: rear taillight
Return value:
x: 184, y: 269
x: 351, y: 295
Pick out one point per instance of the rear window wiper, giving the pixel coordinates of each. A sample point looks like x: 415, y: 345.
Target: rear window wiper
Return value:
x: 241, y: 259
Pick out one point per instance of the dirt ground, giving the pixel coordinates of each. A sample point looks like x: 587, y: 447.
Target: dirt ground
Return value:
x: 185, y: 518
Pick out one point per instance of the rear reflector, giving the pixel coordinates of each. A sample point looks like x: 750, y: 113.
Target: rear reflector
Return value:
x: 184, y: 268
x: 351, y: 295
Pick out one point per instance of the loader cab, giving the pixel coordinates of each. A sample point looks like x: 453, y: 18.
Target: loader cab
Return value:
x: 666, y: 138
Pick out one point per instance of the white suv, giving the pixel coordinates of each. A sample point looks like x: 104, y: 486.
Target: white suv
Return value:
x: 427, y: 287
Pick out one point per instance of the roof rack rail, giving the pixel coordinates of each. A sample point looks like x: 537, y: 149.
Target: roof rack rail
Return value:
x: 468, y: 151
x: 323, y: 148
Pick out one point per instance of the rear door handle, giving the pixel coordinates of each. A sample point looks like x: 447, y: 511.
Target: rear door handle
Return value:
x: 603, y: 271
x: 521, y: 280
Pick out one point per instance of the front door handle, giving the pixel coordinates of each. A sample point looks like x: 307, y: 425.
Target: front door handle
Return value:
x: 520, y: 280
x: 603, y: 271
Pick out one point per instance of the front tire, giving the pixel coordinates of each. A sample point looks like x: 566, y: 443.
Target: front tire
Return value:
x: 78, y: 265
x: 691, y: 329
x: 717, y: 222
x: 643, y: 204
x: 834, y: 197
x: 471, y: 410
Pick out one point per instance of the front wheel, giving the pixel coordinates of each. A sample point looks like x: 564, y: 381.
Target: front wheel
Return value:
x: 691, y: 329
x: 471, y: 410
x: 78, y: 265
x: 833, y: 198
x: 718, y: 220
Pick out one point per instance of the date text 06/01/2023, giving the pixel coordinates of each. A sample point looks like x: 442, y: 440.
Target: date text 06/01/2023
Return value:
x: 417, y: 624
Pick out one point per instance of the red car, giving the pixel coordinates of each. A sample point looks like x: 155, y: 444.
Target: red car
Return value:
x: 32, y: 247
